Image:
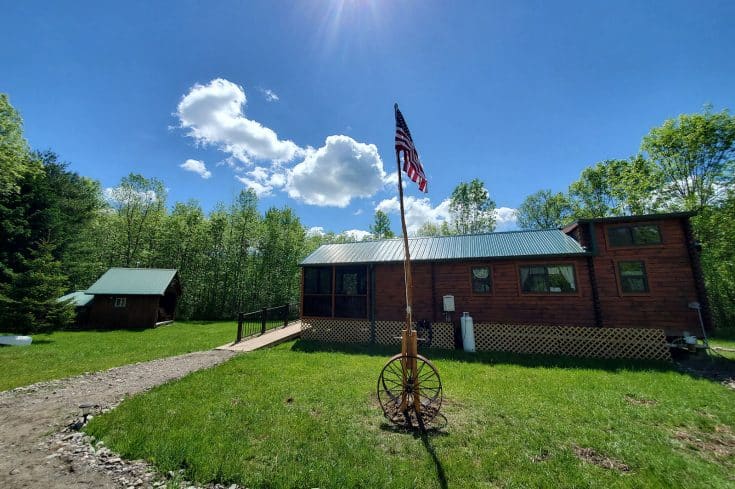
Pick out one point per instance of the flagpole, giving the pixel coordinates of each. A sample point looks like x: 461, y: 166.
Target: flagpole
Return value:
x: 408, y: 278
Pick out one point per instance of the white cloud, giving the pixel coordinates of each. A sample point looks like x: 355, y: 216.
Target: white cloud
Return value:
x: 260, y: 189
x: 315, y: 231
x: 196, y: 166
x: 357, y: 234
x: 336, y: 173
x: 418, y: 211
x: 357, y: 212
x: 124, y: 195
x: 213, y: 114
x: 270, y: 95
x: 506, y: 219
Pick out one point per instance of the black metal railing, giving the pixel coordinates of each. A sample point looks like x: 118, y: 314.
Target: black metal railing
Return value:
x: 258, y: 322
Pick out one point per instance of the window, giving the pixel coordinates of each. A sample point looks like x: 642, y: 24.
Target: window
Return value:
x: 552, y: 279
x: 642, y: 235
x: 633, y: 277
x: 481, y: 280
x: 121, y: 301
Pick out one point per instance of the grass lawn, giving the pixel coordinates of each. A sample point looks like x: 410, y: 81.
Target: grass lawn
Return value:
x: 65, y: 353
x: 305, y: 415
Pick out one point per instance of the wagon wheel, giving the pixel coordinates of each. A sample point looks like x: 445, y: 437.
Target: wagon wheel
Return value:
x: 399, y: 398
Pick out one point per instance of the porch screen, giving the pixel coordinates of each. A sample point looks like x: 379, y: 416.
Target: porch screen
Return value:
x: 318, y: 291
x: 350, y: 292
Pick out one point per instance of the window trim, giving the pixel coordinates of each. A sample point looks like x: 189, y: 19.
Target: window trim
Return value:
x: 611, y: 247
x: 576, y: 291
x: 619, y: 277
x: 490, y: 276
x: 121, y: 302
x: 333, y: 293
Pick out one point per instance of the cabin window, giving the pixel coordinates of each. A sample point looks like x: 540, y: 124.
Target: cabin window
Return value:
x: 318, y: 291
x: 350, y: 292
x: 640, y: 235
x: 481, y: 280
x: 633, y: 277
x: 121, y: 301
x: 553, y: 279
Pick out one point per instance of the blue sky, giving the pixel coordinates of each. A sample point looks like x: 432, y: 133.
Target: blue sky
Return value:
x: 295, y: 98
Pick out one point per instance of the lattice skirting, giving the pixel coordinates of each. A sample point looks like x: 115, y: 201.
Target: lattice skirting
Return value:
x: 573, y: 341
x: 358, y: 331
x: 336, y: 330
x: 389, y: 333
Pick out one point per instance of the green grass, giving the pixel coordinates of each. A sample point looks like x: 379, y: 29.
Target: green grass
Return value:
x: 64, y: 353
x: 302, y: 415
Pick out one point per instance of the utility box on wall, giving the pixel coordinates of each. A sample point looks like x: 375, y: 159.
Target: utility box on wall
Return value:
x: 448, y: 303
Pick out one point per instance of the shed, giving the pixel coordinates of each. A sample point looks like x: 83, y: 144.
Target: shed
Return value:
x: 134, y: 297
x: 637, y: 272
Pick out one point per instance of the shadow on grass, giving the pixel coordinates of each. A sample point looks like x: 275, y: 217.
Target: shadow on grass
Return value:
x: 493, y: 358
x: 425, y: 435
x: 715, y: 368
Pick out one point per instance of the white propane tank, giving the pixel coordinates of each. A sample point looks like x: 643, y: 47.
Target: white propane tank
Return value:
x: 468, y: 332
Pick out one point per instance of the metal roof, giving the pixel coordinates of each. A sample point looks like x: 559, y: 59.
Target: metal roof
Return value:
x: 133, y: 281
x: 492, y: 245
x: 78, y: 298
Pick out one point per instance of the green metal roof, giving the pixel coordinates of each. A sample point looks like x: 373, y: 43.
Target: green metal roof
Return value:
x: 492, y: 245
x: 78, y: 298
x: 133, y: 281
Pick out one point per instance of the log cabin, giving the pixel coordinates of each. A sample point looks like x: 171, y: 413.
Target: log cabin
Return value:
x: 624, y: 273
x: 133, y: 298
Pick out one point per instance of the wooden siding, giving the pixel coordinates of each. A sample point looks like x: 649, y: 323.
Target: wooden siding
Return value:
x: 670, y: 280
x: 140, y: 311
x: 505, y: 303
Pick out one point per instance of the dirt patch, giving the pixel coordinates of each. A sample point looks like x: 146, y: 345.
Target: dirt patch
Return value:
x: 718, y: 445
x: 591, y: 456
x: 36, y: 449
x: 542, y: 456
x: 640, y: 401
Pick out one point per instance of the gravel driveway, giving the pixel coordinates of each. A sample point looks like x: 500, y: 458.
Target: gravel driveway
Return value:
x: 32, y: 451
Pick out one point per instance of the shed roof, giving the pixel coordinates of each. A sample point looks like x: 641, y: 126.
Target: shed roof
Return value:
x: 78, y: 298
x: 133, y: 281
x: 491, y: 245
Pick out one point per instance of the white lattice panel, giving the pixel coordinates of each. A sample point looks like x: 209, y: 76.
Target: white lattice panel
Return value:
x: 573, y: 341
x: 336, y: 330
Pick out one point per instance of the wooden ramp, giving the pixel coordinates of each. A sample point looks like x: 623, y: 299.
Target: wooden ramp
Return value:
x: 270, y: 338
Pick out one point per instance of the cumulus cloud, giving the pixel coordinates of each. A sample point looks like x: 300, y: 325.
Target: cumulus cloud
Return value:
x: 418, y: 211
x: 315, y: 231
x: 336, y: 173
x: 270, y: 95
x: 197, y: 167
x: 214, y: 115
x: 506, y: 219
x: 261, y: 189
x: 357, y: 234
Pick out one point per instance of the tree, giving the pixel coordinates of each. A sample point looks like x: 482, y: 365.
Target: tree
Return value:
x: 381, y: 227
x: 544, y: 210
x: 696, y: 154
x: 139, y: 203
x: 714, y: 227
x: 472, y: 209
x: 15, y: 163
x: 616, y: 188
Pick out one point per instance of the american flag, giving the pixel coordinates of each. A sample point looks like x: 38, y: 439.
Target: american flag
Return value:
x: 404, y: 144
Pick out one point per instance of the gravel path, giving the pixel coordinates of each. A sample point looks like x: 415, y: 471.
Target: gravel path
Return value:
x: 35, y: 449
